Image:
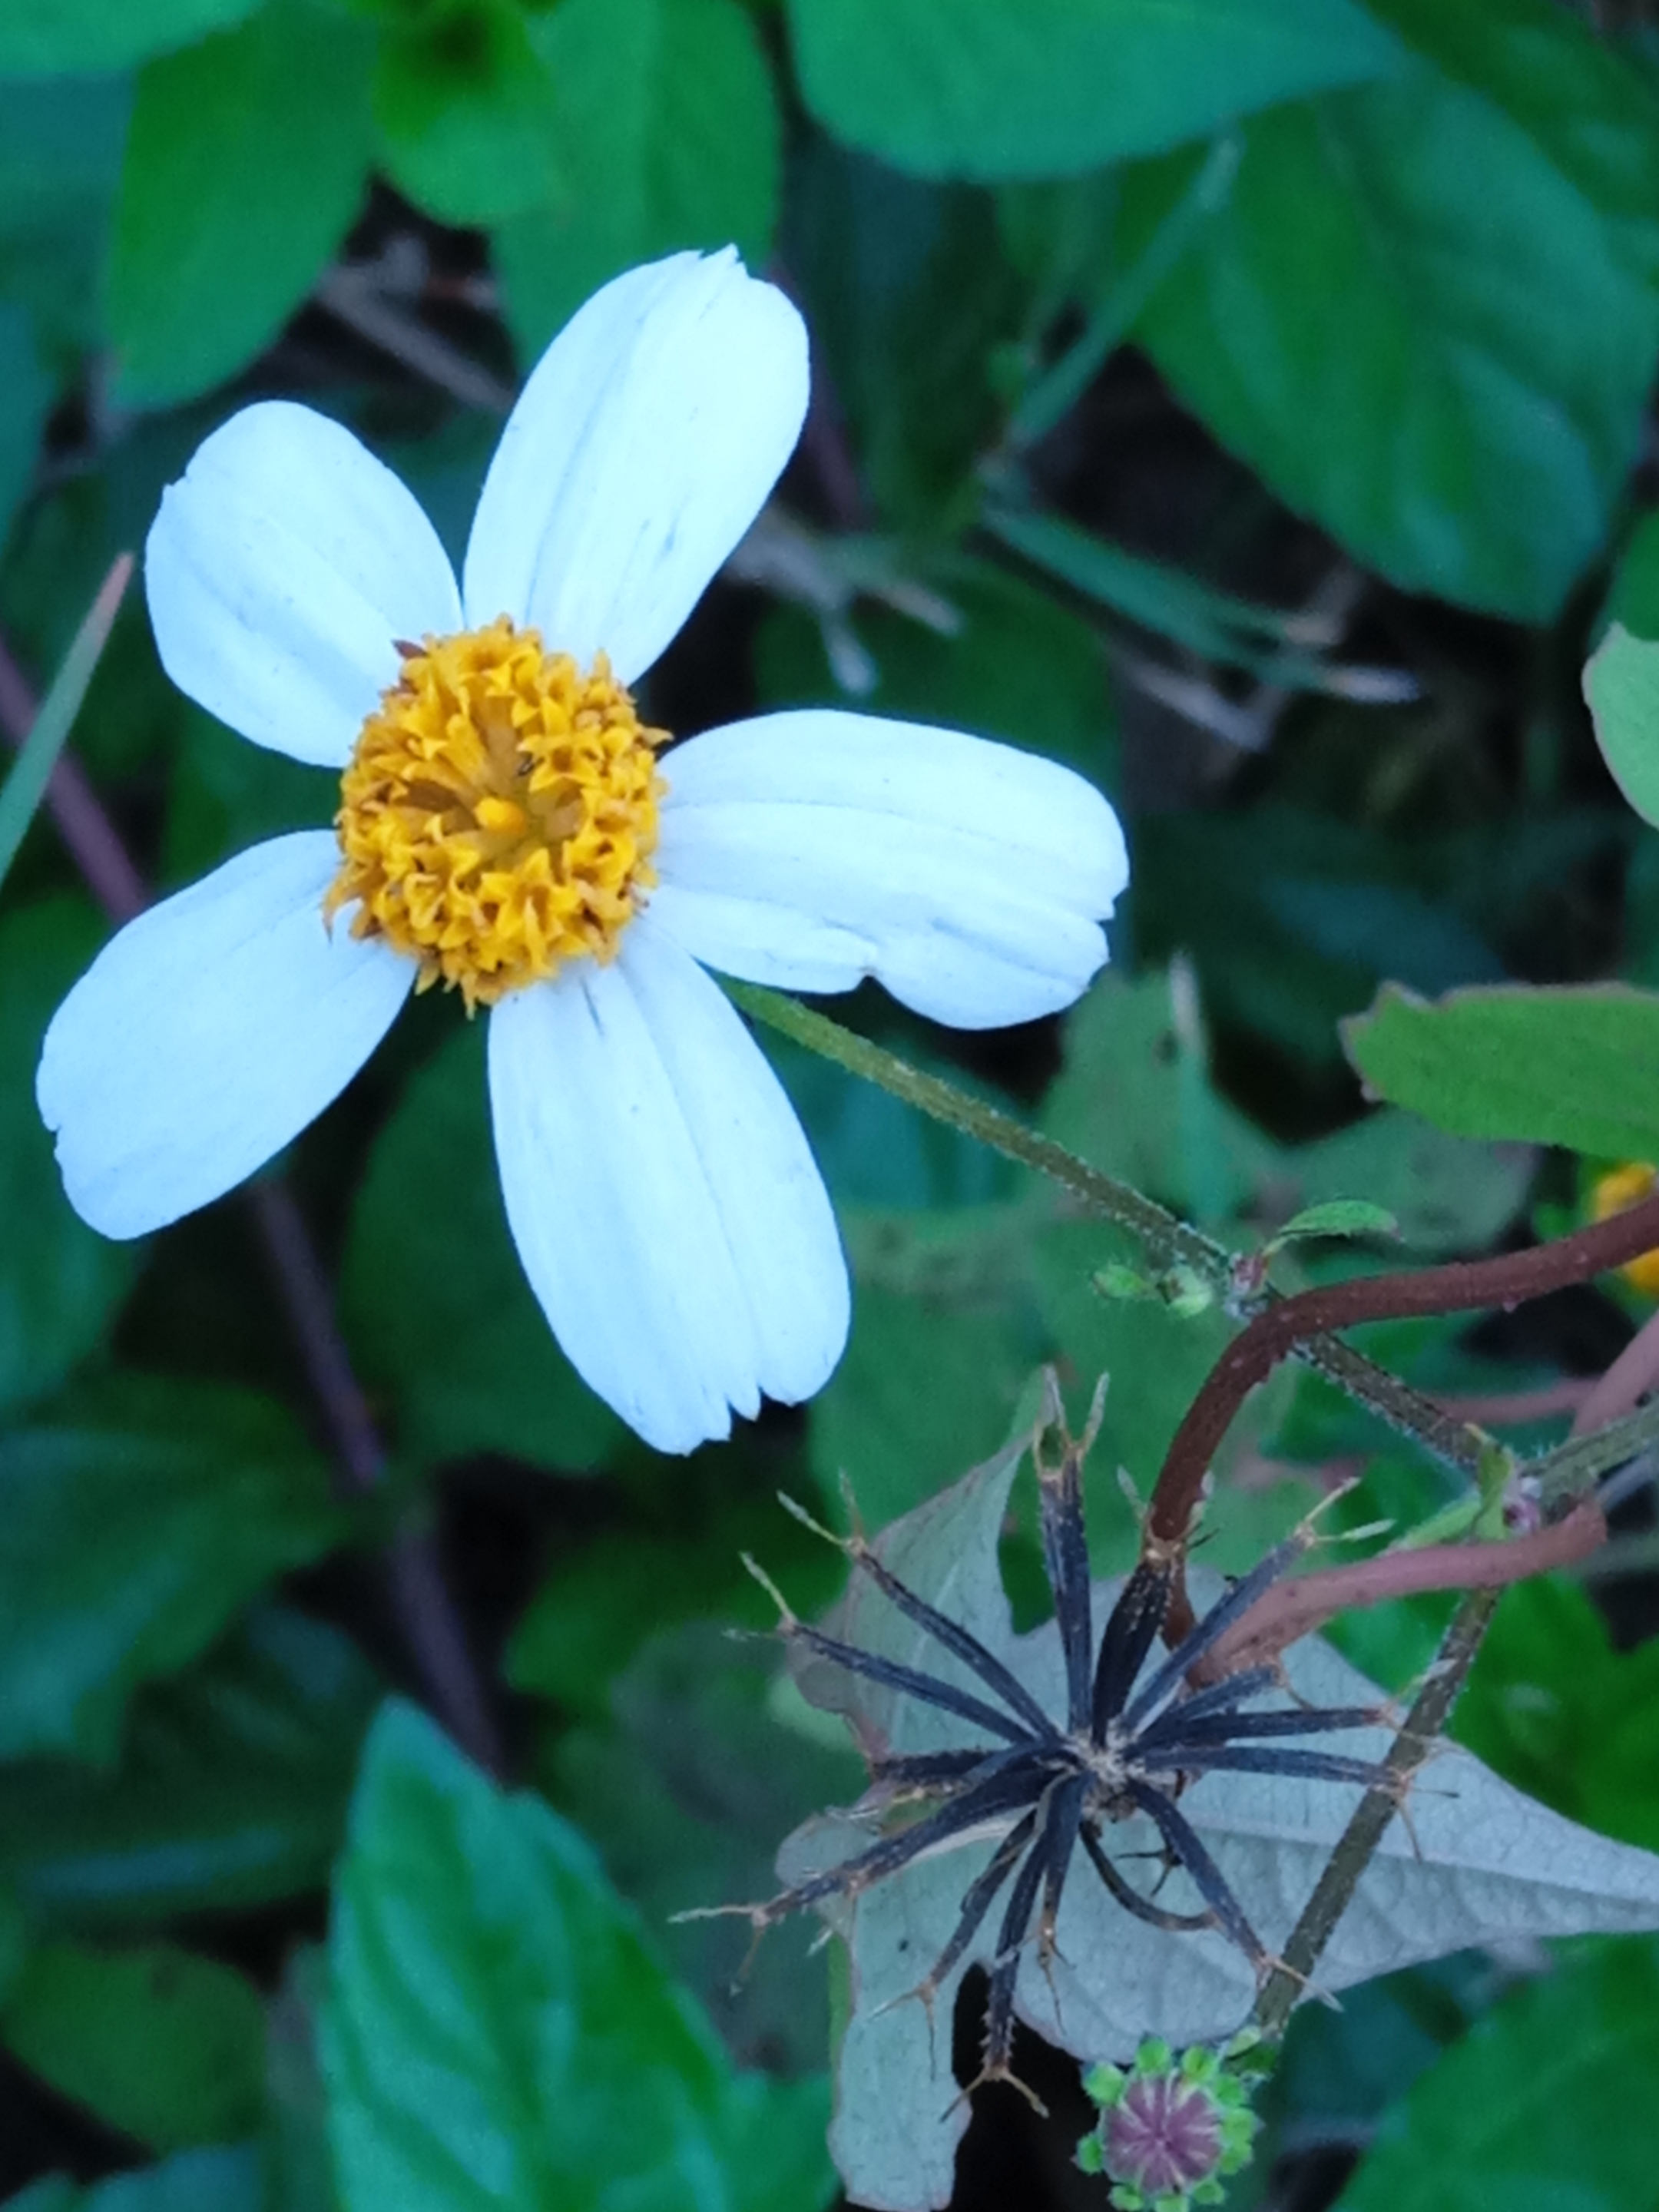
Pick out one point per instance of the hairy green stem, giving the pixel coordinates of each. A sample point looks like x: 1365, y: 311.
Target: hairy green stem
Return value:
x: 1168, y: 1241
x: 1431, y: 1710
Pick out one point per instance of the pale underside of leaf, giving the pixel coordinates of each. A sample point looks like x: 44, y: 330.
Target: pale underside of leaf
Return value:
x: 1477, y: 1863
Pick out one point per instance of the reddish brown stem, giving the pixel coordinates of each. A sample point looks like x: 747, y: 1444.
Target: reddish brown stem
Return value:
x: 1464, y: 1286
x: 1291, y: 1609
x: 436, y: 1642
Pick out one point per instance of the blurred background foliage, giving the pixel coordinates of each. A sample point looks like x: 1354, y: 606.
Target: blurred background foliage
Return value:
x: 1247, y: 404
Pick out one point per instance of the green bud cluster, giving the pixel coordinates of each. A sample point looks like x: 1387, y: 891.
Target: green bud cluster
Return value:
x: 1171, y: 2127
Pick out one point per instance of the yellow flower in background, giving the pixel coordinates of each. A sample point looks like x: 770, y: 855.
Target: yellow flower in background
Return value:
x: 1613, y: 1193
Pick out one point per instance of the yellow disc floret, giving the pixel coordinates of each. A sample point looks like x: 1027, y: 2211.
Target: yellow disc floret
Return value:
x: 499, y: 814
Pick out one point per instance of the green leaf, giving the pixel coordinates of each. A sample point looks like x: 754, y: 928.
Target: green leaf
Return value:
x: 464, y: 107
x: 910, y: 297
x: 666, y: 129
x: 434, y: 1298
x: 1558, y: 1712
x: 1577, y: 1067
x: 141, y: 1516
x: 227, y: 2178
x: 686, y: 1790
x: 230, y: 1792
x: 28, y: 397
x: 1445, y: 1194
x: 1536, y: 2107
x: 1633, y: 599
x: 927, y: 1380
x: 246, y: 165
x: 1402, y: 359
x: 1134, y: 1098
x: 26, y: 786
x: 989, y: 88
x: 602, y: 1601
x: 476, y: 1948
x: 1017, y: 668
x: 59, y: 1282
x: 1621, y: 684
x: 1157, y: 596
x: 60, y: 162
x: 1339, y: 1217
x: 1293, y: 921
x: 1593, y: 111
x: 164, y: 2046
x: 77, y: 38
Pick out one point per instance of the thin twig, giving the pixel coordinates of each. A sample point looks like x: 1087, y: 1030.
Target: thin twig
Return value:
x: 1431, y: 1710
x: 1631, y: 1376
x: 352, y: 294
x: 1293, y: 1609
x: 425, y: 1614
x: 1168, y: 1241
x: 1462, y: 1287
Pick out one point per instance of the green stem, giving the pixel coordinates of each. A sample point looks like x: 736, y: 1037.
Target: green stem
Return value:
x: 1431, y: 1710
x: 1167, y: 1239
x: 26, y: 786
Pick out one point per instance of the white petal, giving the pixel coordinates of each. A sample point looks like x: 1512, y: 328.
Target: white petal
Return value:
x: 209, y: 1032
x: 640, y: 452
x: 660, y: 1191
x: 280, y: 569
x: 811, y: 849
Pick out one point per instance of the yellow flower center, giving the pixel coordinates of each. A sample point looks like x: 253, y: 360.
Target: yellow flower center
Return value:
x: 1621, y: 1188
x: 499, y: 814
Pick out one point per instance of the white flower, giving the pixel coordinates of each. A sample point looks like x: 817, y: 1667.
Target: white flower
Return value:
x: 505, y: 823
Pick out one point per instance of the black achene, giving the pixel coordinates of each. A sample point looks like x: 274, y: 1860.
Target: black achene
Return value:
x: 1130, y: 1740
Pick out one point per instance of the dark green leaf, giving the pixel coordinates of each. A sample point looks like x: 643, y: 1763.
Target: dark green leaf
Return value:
x: 1401, y: 358
x: 246, y: 165
x: 75, y: 38
x: 28, y: 396
x: 163, y: 2045
x: 1018, y: 668
x: 1134, y: 1098
x: 225, y: 794
x: 1558, y: 1712
x: 1538, y: 2105
x: 989, y: 88
x: 1294, y: 921
x: 466, y: 110
x: 1634, y: 598
x: 687, y: 1791
x: 60, y: 160
x: 667, y: 133
x: 602, y: 1601
x: 927, y: 1380
x: 1592, y: 110
x: 231, y: 1790
x: 1445, y: 1194
x: 1156, y: 596
x: 59, y: 1282
x: 478, y: 1948
x: 223, y: 2179
x: 875, y: 1150
x: 433, y: 1295
x: 1576, y: 1067
x: 910, y: 297
x: 141, y: 1516
x: 1621, y: 684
